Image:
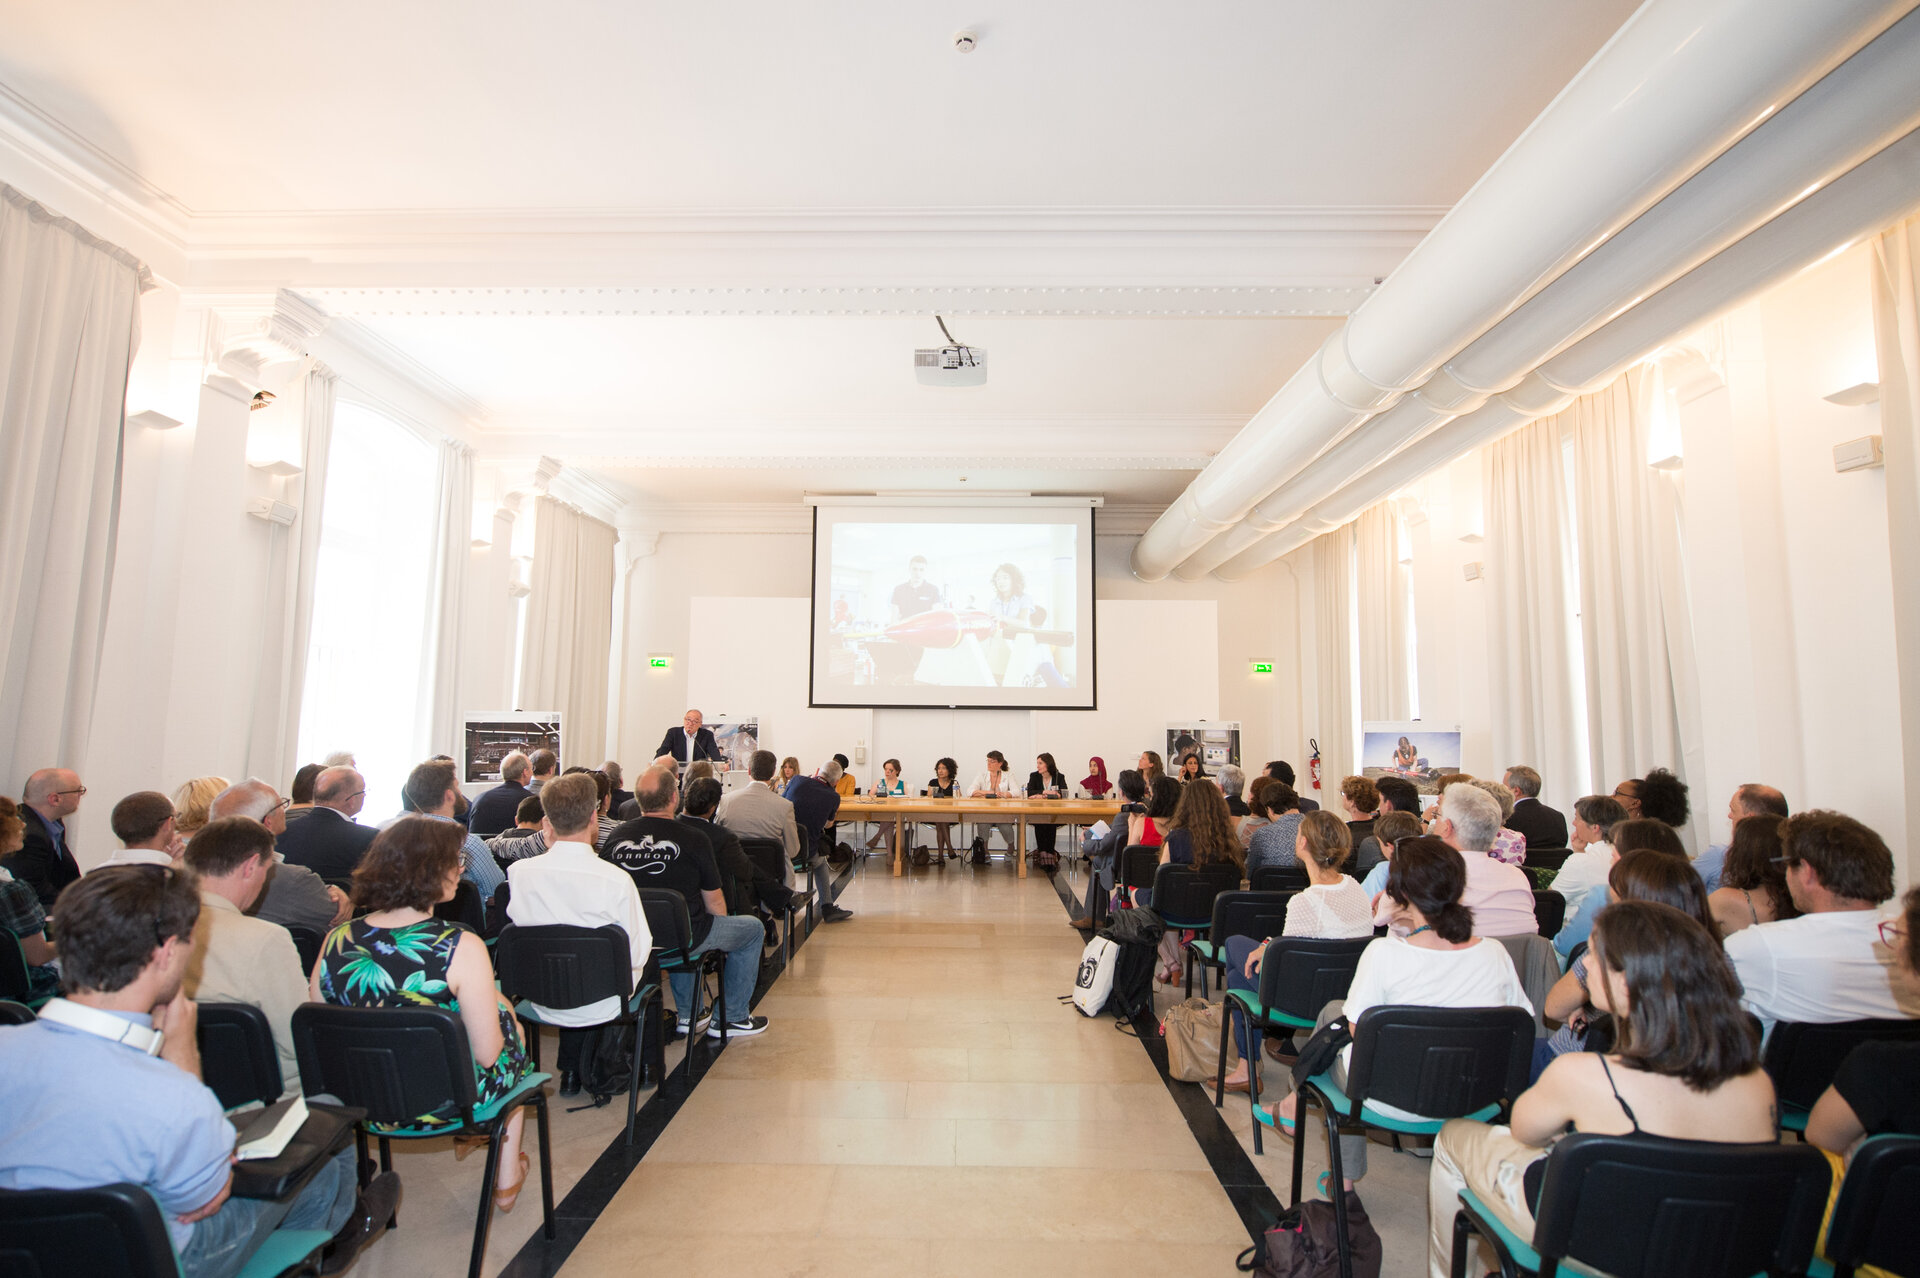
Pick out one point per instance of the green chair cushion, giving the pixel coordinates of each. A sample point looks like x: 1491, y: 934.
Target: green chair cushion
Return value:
x: 1793, y: 1118
x: 481, y: 1114
x: 1515, y: 1246
x: 1207, y: 950
x: 1249, y: 1001
x: 1374, y: 1118
x: 283, y: 1249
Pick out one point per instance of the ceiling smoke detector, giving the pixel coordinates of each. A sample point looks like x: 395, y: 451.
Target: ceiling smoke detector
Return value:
x: 950, y: 365
x: 965, y: 41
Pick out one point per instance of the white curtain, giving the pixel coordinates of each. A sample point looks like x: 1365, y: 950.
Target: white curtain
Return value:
x: 1385, y: 647
x: 446, y: 601
x: 1642, y: 698
x: 1896, y: 325
x: 69, y: 323
x: 1530, y: 637
x: 570, y: 626
x: 1334, y: 719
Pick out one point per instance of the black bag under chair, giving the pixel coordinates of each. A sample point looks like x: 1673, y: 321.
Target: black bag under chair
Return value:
x: 1137, y: 932
x: 1301, y: 1243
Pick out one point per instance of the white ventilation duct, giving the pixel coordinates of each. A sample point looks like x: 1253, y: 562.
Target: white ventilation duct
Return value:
x: 1878, y: 192
x: 1853, y: 112
x: 1679, y: 83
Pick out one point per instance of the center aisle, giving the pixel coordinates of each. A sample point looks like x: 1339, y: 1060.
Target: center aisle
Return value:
x: 924, y: 1104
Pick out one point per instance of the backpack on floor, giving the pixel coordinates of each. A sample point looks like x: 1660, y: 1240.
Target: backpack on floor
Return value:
x: 979, y: 854
x: 1137, y: 932
x: 1301, y: 1243
x: 1094, y: 981
x: 607, y: 1063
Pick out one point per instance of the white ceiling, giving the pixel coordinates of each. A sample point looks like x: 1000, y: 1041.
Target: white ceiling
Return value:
x: 839, y: 149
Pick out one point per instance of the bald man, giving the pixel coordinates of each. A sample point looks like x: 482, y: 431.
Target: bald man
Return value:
x: 295, y: 895
x: 327, y: 841
x: 1751, y: 799
x: 45, y: 861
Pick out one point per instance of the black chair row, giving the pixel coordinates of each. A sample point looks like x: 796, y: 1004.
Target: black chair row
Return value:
x: 769, y: 856
x: 1802, y: 1059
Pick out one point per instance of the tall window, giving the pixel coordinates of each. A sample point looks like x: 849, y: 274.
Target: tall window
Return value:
x: 370, y: 603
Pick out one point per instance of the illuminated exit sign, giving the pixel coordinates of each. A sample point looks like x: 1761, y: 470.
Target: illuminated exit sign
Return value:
x: 659, y: 661
x: 1263, y: 667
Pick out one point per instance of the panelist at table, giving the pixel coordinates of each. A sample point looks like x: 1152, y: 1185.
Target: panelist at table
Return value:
x: 690, y: 742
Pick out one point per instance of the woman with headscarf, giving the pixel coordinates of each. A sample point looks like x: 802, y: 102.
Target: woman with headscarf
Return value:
x: 1096, y: 785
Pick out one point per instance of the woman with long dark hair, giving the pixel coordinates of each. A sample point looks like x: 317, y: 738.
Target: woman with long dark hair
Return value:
x: 944, y: 784
x: 1045, y: 782
x: 1753, y: 887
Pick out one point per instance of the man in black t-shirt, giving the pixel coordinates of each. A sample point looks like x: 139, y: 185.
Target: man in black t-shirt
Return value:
x: 916, y: 594
x: 660, y: 852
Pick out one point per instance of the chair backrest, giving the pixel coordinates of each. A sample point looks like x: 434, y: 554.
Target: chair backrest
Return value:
x: 306, y: 943
x: 1183, y: 896
x: 668, y: 920
x: 113, y: 1231
x: 1299, y: 977
x: 1138, y: 863
x: 237, y: 1058
x: 12, y: 1013
x: 769, y: 856
x: 1802, y: 1058
x: 1550, y: 911
x: 13, y: 968
x: 464, y: 907
x: 1441, y: 1062
x: 1255, y: 914
x: 397, y: 1063
x: 1867, y: 1227
x: 1279, y: 878
x: 560, y: 965
x: 1546, y: 858
x: 1642, y: 1206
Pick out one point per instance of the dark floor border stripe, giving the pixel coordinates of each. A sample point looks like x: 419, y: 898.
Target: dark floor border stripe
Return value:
x: 580, y: 1209
x: 1248, y: 1191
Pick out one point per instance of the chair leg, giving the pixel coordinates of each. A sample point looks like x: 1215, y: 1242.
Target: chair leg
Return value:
x: 1462, y: 1239
x: 1336, y: 1189
x: 1220, y: 1076
x: 639, y: 1068
x: 488, y: 1178
x: 1299, y: 1146
x: 546, y: 1162
x: 1187, y: 972
x: 530, y: 1035
x: 1253, y: 1096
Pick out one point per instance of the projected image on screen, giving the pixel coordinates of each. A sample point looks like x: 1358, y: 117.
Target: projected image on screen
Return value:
x: 948, y: 608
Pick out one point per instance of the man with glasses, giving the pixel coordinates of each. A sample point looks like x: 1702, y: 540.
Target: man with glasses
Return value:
x: 328, y: 841
x: 690, y: 742
x: 144, y: 824
x: 295, y: 895
x: 45, y: 861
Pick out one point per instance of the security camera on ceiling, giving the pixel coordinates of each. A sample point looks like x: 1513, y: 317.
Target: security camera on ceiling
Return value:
x: 950, y: 365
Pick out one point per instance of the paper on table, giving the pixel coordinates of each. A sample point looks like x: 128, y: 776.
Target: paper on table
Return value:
x: 275, y: 1142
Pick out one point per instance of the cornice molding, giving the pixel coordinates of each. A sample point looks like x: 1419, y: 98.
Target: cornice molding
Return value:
x: 1078, y: 463
x: 367, y: 361
x: 645, y: 525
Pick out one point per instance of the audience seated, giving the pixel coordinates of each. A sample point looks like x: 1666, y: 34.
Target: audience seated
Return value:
x: 1200, y: 831
x: 754, y: 887
x: 21, y: 912
x: 1397, y: 794
x: 815, y: 800
x: 1663, y: 797
x: 1509, y: 846
x: 1499, y: 897
x: 494, y: 810
x: 1643, y: 874
x: 45, y: 861
x: 329, y: 841
x: 545, y: 765
x: 295, y: 895
x: 621, y: 795
x: 398, y: 954
x: 1150, y: 767
x: 571, y: 885
x: 1822, y: 966
x: 1233, y: 784
x: 1877, y: 1091
x: 1360, y: 798
x: 1594, y: 817
x: 1273, y: 844
x: 1754, y: 887
x: 191, y: 802
x: 435, y: 790
x: 1433, y: 957
x: 1540, y: 825
x: 105, y: 1087
x: 145, y: 825
x: 1282, y: 771
x: 1103, y: 851
x: 756, y: 812
x: 1748, y: 800
x: 1685, y: 1065
x: 660, y: 852
x: 236, y: 959
x: 1388, y: 830
x: 1632, y: 835
x: 526, y: 838
x: 1258, y: 813
x: 302, y: 791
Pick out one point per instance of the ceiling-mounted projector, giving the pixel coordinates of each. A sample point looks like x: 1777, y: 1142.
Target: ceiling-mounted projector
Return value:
x: 950, y: 365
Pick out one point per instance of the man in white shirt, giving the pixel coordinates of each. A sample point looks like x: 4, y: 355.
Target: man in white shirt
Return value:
x: 756, y: 812
x: 1826, y: 965
x: 1593, y: 856
x: 570, y: 884
x: 1500, y: 895
x: 143, y: 822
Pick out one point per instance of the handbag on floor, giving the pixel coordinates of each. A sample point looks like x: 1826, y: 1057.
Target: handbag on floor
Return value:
x: 979, y: 854
x: 1094, y: 980
x: 1192, y: 1032
x: 1301, y: 1244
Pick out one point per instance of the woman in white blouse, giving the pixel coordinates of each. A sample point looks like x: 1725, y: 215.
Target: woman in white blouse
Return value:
x: 993, y: 784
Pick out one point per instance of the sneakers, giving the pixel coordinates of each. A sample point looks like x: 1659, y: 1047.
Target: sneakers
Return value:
x: 680, y: 1027
x: 834, y: 914
x: 740, y: 1029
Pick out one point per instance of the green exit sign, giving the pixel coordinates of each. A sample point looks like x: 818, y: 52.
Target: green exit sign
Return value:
x: 1263, y: 667
x: 659, y: 663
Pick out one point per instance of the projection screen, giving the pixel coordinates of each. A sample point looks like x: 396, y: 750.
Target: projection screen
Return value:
x: 962, y: 606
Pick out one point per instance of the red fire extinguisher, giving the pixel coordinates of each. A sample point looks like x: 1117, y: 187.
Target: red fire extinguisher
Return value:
x: 1313, y: 763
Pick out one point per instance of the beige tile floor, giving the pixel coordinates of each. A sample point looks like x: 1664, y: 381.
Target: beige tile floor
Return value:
x: 923, y: 1104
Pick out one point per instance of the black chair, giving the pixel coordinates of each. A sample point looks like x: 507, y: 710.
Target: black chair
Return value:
x: 1550, y: 913
x: 1298, y: 977
x: 1183, y: 897
x: 398, y: 1063
x: 769, y: 856
x: 1279, y: 878
x: 464, y: 907
x: 1439, y: 1062
x: 560, y: 966
x: 1236, y: 913
x: 1873, y: 1222
x: 306, y: 943
x: 1802, y: 1059
x: 1642, y: 1206
x: 672, y: 929
x: 14, y: 982
x: 116, y: 1231
x: 237, y: 1058
x: 12, y: 1013
x: 1138, y: 865
x: 1546, y: 858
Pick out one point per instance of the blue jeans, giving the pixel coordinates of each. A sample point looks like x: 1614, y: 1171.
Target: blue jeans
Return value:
x: 223, y: 1242
x: 1238, y: 948
x: 740, y: 937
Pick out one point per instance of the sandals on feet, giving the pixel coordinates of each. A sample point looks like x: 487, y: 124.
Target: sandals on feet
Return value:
x: 505, y: 1196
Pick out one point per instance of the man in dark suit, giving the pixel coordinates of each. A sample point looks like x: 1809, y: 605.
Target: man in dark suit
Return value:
x: 493, y: 811
x: 45, y: 860
x: 1281, y: 770
x: 690, y: 742
x: 815, y: 801
x: 1542, y: 826
x: 326, y: 840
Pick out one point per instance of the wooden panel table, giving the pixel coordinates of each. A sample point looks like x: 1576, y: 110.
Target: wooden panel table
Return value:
x: 1044, y: 811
